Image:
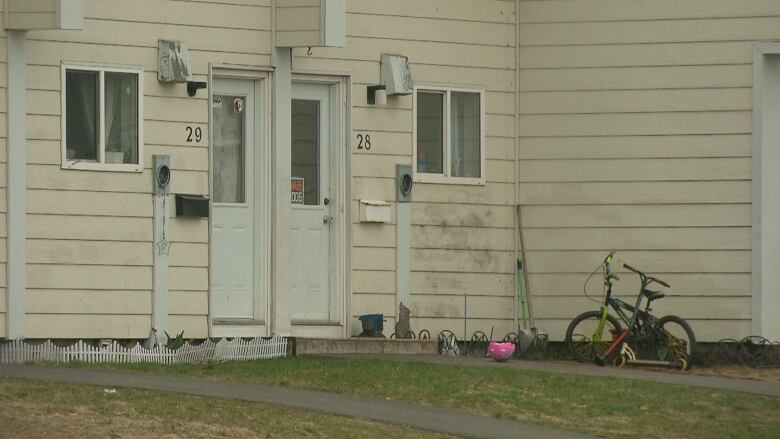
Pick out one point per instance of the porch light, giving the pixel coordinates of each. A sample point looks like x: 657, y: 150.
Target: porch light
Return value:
x: 376, y: 95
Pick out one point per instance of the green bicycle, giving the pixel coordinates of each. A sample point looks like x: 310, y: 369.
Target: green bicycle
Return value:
x: 596, y: 336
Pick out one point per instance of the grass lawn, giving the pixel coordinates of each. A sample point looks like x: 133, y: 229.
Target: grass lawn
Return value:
x: 607, y: 407
x: 31, y: 409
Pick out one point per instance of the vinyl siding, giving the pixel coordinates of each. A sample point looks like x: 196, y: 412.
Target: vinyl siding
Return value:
x: 635, y: 135
x: 90, y: 249
x: 461, y: 236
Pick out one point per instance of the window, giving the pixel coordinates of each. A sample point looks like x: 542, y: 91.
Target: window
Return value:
x: 102, y: 118
x: 449, y: 135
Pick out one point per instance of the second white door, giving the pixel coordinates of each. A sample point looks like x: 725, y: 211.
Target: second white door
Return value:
x: 311, y: 217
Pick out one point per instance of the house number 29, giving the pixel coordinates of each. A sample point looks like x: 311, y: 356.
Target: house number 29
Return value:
x: 364, y: 141
x: 194, y: 135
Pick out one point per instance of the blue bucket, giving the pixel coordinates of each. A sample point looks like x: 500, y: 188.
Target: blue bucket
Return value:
x: 372, y: 323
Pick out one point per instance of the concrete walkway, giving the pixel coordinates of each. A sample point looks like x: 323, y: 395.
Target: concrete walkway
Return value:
x: 390, y: 411
x: 683, y: 378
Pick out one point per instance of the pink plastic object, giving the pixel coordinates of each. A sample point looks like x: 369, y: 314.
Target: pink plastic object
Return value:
x: 501, y: 351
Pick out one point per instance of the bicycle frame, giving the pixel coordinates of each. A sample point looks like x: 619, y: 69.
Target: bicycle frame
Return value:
x: 637, y: 314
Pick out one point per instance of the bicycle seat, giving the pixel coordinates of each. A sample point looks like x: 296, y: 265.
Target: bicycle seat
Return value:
x: 653, y: 295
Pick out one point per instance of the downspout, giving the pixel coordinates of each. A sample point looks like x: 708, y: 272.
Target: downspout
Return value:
x: 16, y: 167
x: 517, y: 159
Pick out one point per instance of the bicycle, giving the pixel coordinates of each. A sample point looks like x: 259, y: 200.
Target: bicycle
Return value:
x: 595, y: 336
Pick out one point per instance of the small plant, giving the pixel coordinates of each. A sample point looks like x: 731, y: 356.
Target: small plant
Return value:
x: 175, y: 342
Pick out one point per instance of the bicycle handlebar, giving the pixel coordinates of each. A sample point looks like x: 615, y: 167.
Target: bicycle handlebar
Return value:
x: 651, y: 279
x: 659, y: 281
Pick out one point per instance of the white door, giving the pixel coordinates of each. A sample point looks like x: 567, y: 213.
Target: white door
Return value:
x: 311, y: 218
x: 233, y: 234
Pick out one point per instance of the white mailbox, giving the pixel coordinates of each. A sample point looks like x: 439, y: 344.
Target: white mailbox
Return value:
x: 373, y: 211
x: 311, y: 23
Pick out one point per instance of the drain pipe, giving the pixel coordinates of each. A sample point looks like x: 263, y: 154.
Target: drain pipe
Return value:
x: 517, y: 159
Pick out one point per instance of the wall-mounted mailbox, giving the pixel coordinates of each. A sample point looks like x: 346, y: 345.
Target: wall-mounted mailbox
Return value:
x: 192, y: 206
x: 373, y: 211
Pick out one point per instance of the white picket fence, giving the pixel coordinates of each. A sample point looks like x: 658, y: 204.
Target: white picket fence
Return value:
x: 21, y: 351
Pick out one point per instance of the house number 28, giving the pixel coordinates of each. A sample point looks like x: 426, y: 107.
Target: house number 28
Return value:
x: 194, y: 135
x: 364, y: 141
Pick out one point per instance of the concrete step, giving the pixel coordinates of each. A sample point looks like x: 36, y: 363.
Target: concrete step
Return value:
x: 359, y: 345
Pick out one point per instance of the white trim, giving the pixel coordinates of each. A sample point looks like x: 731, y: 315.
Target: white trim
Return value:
x: 16, y: 208
x: 516, y: 167
x: 160, y: 266
x: 280, y: 316
x: 100, y: 164
x: 403, y: 257
x: 347, y: 205
x: 765, y: 209
x: 445, y: 177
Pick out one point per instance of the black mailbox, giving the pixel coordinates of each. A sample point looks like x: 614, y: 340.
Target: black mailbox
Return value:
x: 192, y: 206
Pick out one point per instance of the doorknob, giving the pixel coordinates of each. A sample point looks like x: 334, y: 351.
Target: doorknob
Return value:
x: 327, y: 219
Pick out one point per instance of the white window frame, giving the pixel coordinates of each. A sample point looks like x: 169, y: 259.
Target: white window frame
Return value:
x: 445, y: 177
x: 100, y: 165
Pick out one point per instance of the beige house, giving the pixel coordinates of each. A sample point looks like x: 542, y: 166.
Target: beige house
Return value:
x: 646, y: 127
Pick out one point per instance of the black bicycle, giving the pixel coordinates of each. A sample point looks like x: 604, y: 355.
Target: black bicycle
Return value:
x: 598, y: 336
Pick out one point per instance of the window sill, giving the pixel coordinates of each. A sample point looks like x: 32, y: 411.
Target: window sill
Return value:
x: 110, y: 167
x: 442, y: 179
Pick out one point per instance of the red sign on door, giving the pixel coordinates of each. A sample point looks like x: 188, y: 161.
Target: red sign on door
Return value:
x: 296, y: 190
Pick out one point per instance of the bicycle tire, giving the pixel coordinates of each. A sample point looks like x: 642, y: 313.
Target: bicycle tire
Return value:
x: 669, y: 342
x: 580, y: 345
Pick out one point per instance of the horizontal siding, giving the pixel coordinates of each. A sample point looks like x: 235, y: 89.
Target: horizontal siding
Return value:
x: 91, y: 232
x: 89, y: 302
x: 638, y: 10
x: 193, y: 326
x: 88, y: 326
x: 636, y: 78
x: 643, y: 215
x: 635, y: 129
x: 461, y: 236
x: 88, y: 277
x: 683, y: 284
x: 650, y: 261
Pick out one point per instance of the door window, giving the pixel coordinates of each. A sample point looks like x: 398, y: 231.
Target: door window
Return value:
x: 229, y: 149
x: 306, y: 148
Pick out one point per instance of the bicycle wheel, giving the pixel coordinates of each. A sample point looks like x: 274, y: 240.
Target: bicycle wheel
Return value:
x: 674, y: 340
x: 582, y: 338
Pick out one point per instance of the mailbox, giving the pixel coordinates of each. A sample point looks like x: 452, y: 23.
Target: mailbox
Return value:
x: 192, y: 206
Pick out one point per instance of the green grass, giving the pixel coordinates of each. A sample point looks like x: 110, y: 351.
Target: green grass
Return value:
x: 607, y: 407
x: 40, y: 409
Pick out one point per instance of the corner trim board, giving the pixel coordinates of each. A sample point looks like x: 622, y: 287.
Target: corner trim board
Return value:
x: 16, y: 186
